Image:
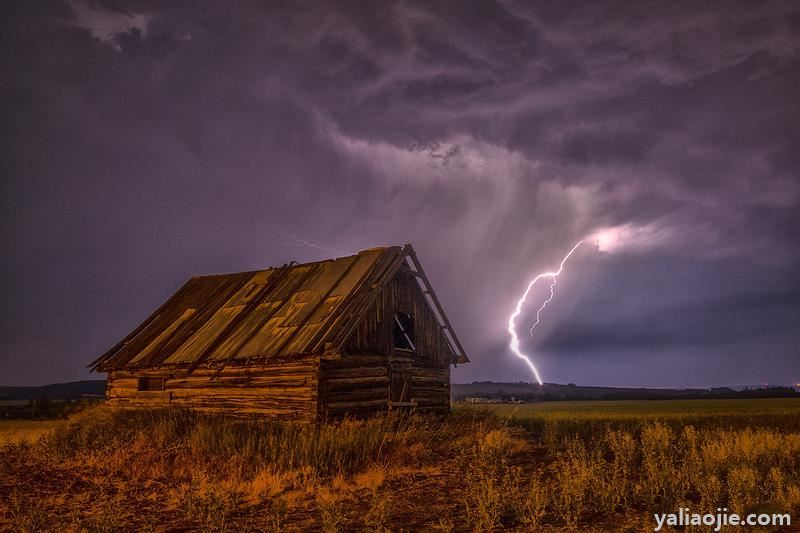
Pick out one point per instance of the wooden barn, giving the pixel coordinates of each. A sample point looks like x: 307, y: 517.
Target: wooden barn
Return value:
x: 353, y: 335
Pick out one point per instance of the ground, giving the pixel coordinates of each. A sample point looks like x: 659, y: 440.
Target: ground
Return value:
x: 602, y: 466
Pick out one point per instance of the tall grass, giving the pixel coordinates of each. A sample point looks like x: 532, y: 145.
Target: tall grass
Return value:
x: 209, y: 468
x: 512, y: 471
x: 248, y: 445
x: 603, y: 464
x: 661, y: 469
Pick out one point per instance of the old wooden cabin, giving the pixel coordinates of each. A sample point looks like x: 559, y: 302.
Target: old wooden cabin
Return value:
x: 353, y: 335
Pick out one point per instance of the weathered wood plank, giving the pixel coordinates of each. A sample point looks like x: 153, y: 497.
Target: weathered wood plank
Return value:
x: 258, y: 382
x: 352, y: 372
x: 332, y: 384
x: 377, y: 394
x: 381, y: 404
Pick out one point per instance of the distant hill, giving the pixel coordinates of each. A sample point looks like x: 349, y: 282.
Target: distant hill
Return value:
x: 56, y: 391
x: 483, y: 389
x: 555, y: 391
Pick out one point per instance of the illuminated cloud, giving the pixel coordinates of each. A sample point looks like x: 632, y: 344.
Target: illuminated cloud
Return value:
x: 630, y: 238
x: 105, y: 24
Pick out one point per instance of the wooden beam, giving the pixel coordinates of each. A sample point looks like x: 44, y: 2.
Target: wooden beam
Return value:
x: 432, y: 294
x: 407, y: 270
x: 402, y: 404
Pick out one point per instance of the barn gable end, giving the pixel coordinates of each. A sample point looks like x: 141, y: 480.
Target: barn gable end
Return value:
x: 373, y: 374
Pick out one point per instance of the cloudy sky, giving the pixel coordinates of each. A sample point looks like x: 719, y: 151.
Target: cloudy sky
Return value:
x: 146, y: 142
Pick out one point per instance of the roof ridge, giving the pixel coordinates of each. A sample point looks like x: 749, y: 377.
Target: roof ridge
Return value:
x: 296, y: 264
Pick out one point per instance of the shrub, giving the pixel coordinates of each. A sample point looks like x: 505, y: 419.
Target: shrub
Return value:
x: 533, y: 503
x: 742, y: 489
x: 377, y: 517
x: 657, y: 467
x: 575, y: 478
x: 331, y: 511
x: 711, y: 492
x: 483, y: 501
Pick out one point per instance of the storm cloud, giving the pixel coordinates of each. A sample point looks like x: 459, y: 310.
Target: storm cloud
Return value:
x: 146, y: 142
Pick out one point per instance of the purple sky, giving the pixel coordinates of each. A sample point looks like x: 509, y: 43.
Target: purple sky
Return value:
x: 146, y: 142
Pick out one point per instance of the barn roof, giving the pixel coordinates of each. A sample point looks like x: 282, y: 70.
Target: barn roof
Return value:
x: 241, y: 317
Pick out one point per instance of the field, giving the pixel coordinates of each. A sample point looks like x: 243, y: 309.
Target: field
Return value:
x: 653, y: 408
x: 28, y: 431
x: 552, y: 466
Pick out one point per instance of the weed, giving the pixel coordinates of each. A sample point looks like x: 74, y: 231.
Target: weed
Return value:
x: 711, y: 492
x: 742, y: 488
x: 574, y: 481
x: 377, y: 517
x: 445, y: 525
x: 276, y: 517
x: 533, y: 503
x: 483, y: 501
x: 331, y: 510
x: 28, y: 515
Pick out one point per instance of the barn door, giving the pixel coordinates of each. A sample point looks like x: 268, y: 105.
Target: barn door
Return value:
x: 400, y: 384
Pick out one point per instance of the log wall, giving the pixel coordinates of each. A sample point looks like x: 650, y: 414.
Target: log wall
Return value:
x: 359, y: 385
x: 430, y: 385
x: 282, y: 389
x: 354, y: 385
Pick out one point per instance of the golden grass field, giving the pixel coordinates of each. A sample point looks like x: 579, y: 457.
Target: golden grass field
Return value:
x: 583, y: 466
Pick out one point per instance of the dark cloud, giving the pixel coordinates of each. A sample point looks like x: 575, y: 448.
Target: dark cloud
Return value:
x: 145, y: 142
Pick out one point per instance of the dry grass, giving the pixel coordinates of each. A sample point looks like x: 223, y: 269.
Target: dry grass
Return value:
x: 26, y: 431
x: 105, y: 470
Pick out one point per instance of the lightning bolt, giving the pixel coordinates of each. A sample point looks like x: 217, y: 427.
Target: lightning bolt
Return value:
x: 512, y: 330
x: 302, y: 242
x: 544, y: 304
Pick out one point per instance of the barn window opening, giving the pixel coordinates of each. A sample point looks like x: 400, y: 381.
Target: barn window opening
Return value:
x: 403, y: 331
x: 151, y: 384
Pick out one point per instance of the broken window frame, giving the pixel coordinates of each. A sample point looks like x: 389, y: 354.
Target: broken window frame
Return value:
x: 406, y: 332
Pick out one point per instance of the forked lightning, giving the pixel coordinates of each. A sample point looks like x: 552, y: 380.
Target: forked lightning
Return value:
x: 514, y: 344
